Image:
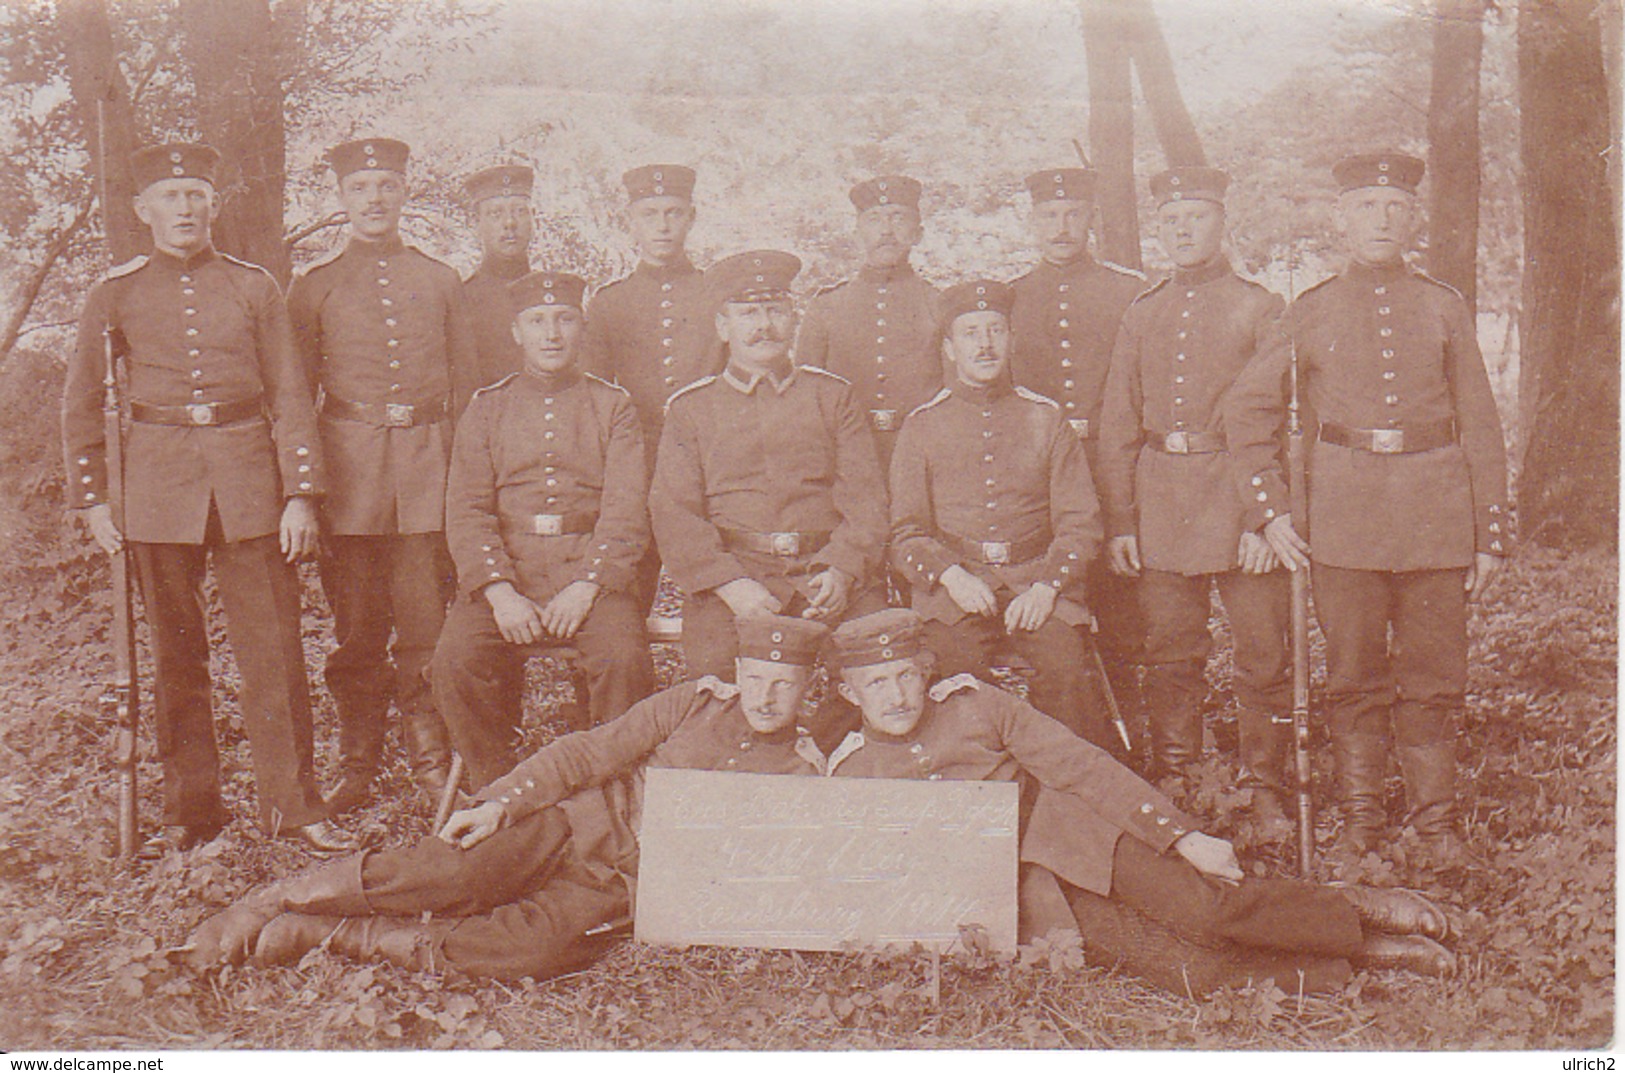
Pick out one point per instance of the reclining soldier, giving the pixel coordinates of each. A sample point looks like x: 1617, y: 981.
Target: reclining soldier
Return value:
x: 536, y: 878
x: 1149, y: 891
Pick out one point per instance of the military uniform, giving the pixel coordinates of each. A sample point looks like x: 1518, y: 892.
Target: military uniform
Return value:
x: 1168, y: 480
x: 220, y: 434
x: 1063, y: 326
x: 523, y: 901
x: 486, y: 291
x: 991, y: 479
x: 1407, y: 481
x: 770, y: 478
x: 547, y: 488
x: 386, y: 341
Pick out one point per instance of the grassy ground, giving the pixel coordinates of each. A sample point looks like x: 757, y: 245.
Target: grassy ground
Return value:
x: 81, y: 940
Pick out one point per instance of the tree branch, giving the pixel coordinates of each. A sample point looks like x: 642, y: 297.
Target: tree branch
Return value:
x: 36, y: 279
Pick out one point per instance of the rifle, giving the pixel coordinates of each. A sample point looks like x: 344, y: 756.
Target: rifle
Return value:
x: 122, y: 699
x: 1298, y: 501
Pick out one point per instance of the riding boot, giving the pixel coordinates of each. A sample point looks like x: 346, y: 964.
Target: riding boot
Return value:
x: 428, y: 749
x: 228, y: 937
x: 402, y: 941
x: 1173, y: 695
x: 1263, y: 749
x: 1362, y: 766
x: 1413, y: 953
x: 1398, y: 912
x: 291, y: 936
x: 361, y: 753
x: 1430, y: 793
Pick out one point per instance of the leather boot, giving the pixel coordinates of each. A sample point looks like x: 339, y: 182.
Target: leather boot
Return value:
x: 1362, y: 766
x: 428, y: 750
x: 1398, y: 912
x: 1413, y: 953
x: 229, y: 936
x: 1173, y: 700
x: 1263, y: 759
x: 290, y: 937
x: 361, y: 751
x: 1430, y: 793
x: 402, y: 941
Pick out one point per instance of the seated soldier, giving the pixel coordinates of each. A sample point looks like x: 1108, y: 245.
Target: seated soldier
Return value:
x: 994, y: 517
x: 546, y: 518
x: 1186, y: 920
x: 533, y: 879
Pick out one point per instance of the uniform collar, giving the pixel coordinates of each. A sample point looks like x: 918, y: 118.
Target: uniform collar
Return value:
x: 505, y: 269
x: 551, y: 382
x: 381, y: 248
x: 1207, y: 272
x: 1364, y: 273
x: 679, y: 268
x: 1081, y: 266
x: 886, y: 275
x: 745, y: 383
x: 978, y: 395
x: 869, y: 733
x: 190, y: 263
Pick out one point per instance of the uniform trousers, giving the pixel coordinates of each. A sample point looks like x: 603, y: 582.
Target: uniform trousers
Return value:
x: 376, y: 585
x: 1178, y: 643
x: 260, y: 593
x: 1189, y: 933
x: 517, y: 904
x: 1396, y: 651
x: 1064, y: 684
x: 479, y: 677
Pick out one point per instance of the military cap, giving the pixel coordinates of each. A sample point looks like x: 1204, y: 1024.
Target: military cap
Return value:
x: 1379, y: 169
x: 977, y: 296
x: 174, y: 160
x: 659, y: 180
x: 368, y: 154
x: 504, y: 180
x: 781, y: 639
x: 547, y: 289
x: 757, y: 276
x: 1189, y: 184
x: 1062, y: 184
x: 886, y: 190
x: 878, y: 637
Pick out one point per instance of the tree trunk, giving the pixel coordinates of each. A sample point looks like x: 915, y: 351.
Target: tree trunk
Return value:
x: 94, y: 76
x: 1107, y: 29
x: 231, y: 49
x: 1568, y: 490
x: 1453, y: 145
x: 1176, y: 133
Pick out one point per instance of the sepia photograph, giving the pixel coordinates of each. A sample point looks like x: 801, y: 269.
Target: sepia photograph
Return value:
x: 809, y: 526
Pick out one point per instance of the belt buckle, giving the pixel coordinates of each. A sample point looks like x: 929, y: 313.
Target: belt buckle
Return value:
x: 786, y: 543
x: 397, y: 415
x: 1080, y: 426
x: 549, y: 525
x: 1388, y: 441
x: 200, y: 413
x: 996, y: 552
x: 1177, y: 443
x: 883, y: 420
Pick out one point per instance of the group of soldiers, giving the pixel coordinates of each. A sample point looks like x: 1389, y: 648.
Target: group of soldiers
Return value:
x: 1075, y: 459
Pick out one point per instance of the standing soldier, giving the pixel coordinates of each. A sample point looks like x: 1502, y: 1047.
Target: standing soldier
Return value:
x: 1172, y: 510
x: 1407, y: 496
x: 385, y: 338
x: 767, y: 496
x: 651, y: 332
x: 879, y: 328
x: 222, y: 463
x: 499, y: 198
x: 994, y: 517
x: 546, y: 515
x: 1064, y: 322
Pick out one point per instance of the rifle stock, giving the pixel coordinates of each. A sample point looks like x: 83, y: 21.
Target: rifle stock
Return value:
x: 1298, y: 499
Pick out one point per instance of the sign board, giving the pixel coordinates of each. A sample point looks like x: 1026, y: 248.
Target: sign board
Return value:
x: 820, y: 864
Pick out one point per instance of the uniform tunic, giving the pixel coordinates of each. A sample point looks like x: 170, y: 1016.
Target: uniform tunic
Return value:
x: 554, y: 445
x: 207, y: 329
x: 879, y: 331
x: 519, y: 903
x: 491, y: 312
x: 759, y: 456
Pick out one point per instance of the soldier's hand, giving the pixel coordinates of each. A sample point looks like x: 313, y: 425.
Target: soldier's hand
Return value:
x: 747, y: 596
x: 1123, y: 555
x: 518, y: 617
x: 1289, y: 547
x: 469, y: 827
x: 100, y: 521
x: 1483, y: 570
x: 299, y: 533
x: 1255, y: 556
x: 1210, y: 856
x: 830, y: 592
x: 565, y: 613
x: 970, y: 592
x: 1031, y: 609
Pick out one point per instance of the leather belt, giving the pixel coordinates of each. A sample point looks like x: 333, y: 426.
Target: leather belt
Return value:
x: 781, y: 544
x: 884, y: 420
x: 1181, y: 442
x: 582, y: 521
x: 1392, y: 441
x: 1080, y: 425
x: 384, y: 414
x: 198, y: 414
x: 997, y: 552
